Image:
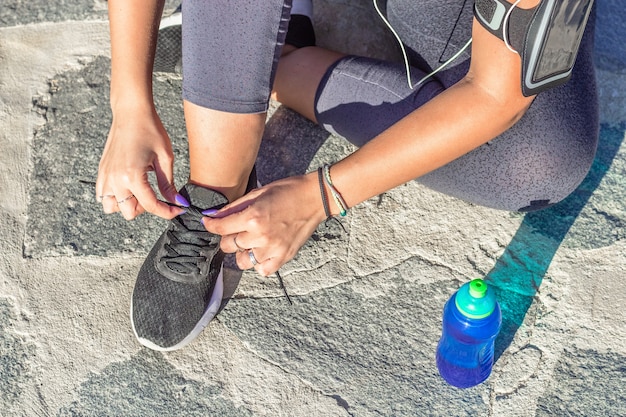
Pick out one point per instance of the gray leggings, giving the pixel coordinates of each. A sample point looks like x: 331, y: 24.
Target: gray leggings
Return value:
x: 533, y: 165
x: 230, y: 52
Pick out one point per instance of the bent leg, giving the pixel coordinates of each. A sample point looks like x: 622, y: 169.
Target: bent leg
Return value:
x: 230, y: 53
x: 354, y: 97
x: 540, y: 160
x: 536, y: 163
x: 359, y: 98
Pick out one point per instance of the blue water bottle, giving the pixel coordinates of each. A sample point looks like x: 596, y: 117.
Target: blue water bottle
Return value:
x: 471, y: 322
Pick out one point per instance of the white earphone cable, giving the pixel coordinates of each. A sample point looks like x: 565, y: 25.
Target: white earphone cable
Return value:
x: 405, y: 57
x: 504, y: 26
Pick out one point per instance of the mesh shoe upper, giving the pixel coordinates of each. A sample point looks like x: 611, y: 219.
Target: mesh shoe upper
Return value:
x: 168, y: 54
x: 177, y: 287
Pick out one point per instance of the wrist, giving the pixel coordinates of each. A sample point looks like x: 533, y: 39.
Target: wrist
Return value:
x: 130, y: 92
x: 131, y: 102
x: 331, y: 192
x: 132, y: 105
x: 315, y: 197
x: 326, y: 199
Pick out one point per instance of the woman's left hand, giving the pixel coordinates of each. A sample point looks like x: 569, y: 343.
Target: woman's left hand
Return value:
x: 272, y: 222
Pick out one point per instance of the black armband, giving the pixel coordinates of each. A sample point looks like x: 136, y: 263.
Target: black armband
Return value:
x: 546, y: 37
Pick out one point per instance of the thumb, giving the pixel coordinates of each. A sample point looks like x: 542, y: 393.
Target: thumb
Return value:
x: 165, y: 180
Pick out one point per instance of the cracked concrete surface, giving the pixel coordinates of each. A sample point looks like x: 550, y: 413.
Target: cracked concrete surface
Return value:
x: 360, y: 337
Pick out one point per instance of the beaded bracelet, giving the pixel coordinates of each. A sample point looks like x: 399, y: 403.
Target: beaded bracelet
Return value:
x: 320, y: 178
x: 343, y: 207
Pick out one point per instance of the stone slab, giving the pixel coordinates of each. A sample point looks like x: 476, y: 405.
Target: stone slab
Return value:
x: 360, y: 338
x: 610, y: 34
x: 21, y: 12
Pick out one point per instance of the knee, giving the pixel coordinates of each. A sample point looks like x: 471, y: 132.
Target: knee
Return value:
x: 554, y: 172
x: 520, y: 171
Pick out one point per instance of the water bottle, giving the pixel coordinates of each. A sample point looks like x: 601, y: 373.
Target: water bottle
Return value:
x: 471, y: 321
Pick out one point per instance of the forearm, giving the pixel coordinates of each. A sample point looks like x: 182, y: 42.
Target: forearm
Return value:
x: 485, y: 103
x: 449, y: 126
x: 133, y: 28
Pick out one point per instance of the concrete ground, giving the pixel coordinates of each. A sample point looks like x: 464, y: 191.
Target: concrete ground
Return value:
x: 360, y: 337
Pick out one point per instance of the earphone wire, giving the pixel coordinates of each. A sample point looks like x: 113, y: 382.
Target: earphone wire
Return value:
x: 406, y: 58
x: 504, y: 27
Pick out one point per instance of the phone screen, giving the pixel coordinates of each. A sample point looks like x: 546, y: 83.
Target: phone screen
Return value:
x: 565, y: 30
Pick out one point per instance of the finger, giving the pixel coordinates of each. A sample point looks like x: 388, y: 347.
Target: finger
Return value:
x: 128, y: 205
x: 164, y: 170
x: 269, y: 266
x: 233, y: 223
x: 101, y: 198
x: 242, y: 202
x: 102, y: 191
x: 148, y: 201
x: 236, y: 206
x: 100, y: 186
x: 249, y: 259
x: 109, y: 204
x: 234, y: 243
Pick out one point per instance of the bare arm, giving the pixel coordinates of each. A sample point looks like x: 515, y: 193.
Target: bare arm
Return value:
x: 133, y: 26
x: 276, y: 220
x: 485, y: 103
x: 137, y: 142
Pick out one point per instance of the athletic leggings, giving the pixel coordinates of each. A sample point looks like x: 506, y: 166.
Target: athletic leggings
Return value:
x: 230, y: 53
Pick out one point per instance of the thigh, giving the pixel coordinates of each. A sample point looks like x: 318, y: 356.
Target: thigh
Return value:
x: 230, y: 52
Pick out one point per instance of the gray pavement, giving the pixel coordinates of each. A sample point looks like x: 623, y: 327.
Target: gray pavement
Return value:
x: 361, y: 335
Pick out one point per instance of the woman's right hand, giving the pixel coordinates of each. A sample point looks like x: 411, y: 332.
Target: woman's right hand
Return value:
x: 137, y: 143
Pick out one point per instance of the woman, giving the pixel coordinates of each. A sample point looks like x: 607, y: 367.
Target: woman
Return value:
x: 468, y: 131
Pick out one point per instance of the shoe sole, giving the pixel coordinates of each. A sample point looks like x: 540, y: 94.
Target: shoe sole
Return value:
x: 174, y: 19
x: 209, y: 314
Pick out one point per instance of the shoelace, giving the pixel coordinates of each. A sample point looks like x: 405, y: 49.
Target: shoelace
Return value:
x: 183, y: 253
x: 178, y: 258
x: 197, y: 212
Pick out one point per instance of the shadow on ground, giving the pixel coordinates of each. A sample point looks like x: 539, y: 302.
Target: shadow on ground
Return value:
x: 520, y: 270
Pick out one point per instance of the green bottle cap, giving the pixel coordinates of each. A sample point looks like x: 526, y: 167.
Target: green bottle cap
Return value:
x: 475, y: 300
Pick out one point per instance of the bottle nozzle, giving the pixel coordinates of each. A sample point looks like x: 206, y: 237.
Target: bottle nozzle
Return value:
x: 477, y: 288
x: 474, y: 300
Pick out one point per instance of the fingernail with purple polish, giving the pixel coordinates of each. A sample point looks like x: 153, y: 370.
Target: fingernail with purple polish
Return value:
x: 210, y: 212
x: 181, y: 201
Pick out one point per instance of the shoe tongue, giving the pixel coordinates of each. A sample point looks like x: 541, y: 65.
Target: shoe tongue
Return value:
x: 200, y: 198
x: 203, y: 198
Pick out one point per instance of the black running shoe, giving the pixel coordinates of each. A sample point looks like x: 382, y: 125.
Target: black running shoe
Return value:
x: 179, y: 287
x: 168, y: 56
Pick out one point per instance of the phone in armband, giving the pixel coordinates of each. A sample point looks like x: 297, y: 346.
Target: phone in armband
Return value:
x: 547, y: 37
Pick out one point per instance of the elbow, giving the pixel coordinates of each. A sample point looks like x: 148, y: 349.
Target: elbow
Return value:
x: 515, y: 112
x: 519, y: 108
x: 506, y: 100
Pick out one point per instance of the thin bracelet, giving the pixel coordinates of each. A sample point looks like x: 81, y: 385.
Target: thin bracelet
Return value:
x: 320, y: 178
x: 341, y: 203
